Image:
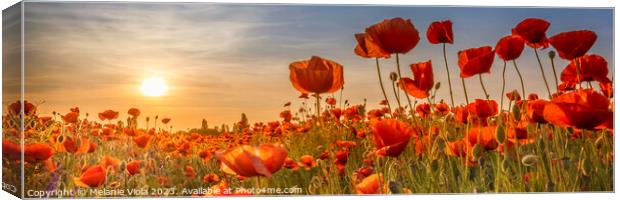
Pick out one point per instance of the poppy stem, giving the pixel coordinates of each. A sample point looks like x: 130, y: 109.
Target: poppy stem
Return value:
x: 318, y: 108
x: 400, y: 76
x: 465, y: 90
x: 483, y: 88
x: 445, y: 58
x: 514, y: 62
x: 340, y: 101
x: 542, y: 71
x: 396, y: 94
x: 578, y: 73
x: 555, y: 75
x: 382, y: 88
x: 503, y: 87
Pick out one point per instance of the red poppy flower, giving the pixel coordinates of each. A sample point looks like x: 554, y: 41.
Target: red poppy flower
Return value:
x: 373, y: 184
x: 591, y: 68
x: 366, y: 47
x: 422, y: 80
x: 92, y: 148
x: 29, y: 108
x: 165, y: 120
x: 509, y: 47
x: 251, y: 161
x: 483, y: 109
x: 307, y: 161
x: 458, y: 148
x: 189, y: 172
x: 391, y: 136
x: 330, y: 101
x: 475, y: 61
x: 607, y: 88
x: 76, y: 146
x: 71, y: 117
x: 134, y: 112
x: 93, y: 177
x: 37, y: 152
x: 585, y: 109
x: 342, y: 157
x: 440, y: 32
x: 210, y: 178
x: 395, y: 35
x: 317, y: 75
x: 108, y: 115
x: 461, y: 114
x: 133, y: 167
x: 423, y: 110
x: 535, y: 110
x: 442, y: 108
x: 573, y: 44
x: 533, y: 31
x: 513, y: 96
x: 142, y: 141
x: 289, y: 163
x: 109, y: 163
x: 487, y: 136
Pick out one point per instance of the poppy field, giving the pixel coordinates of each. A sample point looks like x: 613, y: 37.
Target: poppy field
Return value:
x: 411, y: 142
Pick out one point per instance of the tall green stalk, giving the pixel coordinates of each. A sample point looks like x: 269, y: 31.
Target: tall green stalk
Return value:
x: 445, y: 58
x: 381, y: 84
x: 542, y: 71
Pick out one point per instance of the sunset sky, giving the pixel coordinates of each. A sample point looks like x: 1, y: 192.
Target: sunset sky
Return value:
x: 221, y: 60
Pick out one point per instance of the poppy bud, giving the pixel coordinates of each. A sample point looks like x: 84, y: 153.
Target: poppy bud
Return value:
x: 122, y: 166
x: 552, y: 54
x: 437, y: 85
x: 516, y: 112
x: 500, y: 134
x: 529, y: 160
x: 477, y: 151
x: 60, y: 139
x: 393, y: 76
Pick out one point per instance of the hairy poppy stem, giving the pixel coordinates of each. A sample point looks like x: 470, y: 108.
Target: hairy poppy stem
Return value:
x: 542, y: 71
x: 340, y: 100
x: 396, y: 94
x: 555, y: 75
x: 318, y: 108
x: 445, y: 58
x: 578, y: 73
x: 503, y: 88
x: 399, y: 77
x: 520, y: 77
x: 483, y: 88
x: 465, y: 90
x: 381, y: 83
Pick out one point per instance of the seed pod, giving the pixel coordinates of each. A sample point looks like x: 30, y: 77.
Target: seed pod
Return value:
x: 529, y: 160
x: 552, y: 54
x: 500, y: 134
x: 395, y: 187
x: 393, y: 76
x: 516, y: 112
x: 122, y: 166
x: 477, y: 151
x: 60, y: 138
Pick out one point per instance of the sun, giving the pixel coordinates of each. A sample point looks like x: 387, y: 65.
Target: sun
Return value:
x: 153, y: 87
